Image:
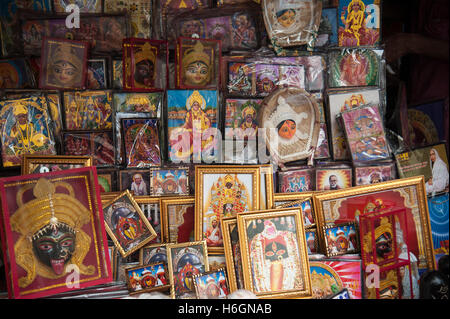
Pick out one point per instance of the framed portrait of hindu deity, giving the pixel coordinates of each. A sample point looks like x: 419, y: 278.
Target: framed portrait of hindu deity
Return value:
x: 376, y: 173
x: 153, y: 253
x: 296, y: 180
x: 223, y: 191
x: 271, y: 242
x: 290, y: 120
x: 63, y: 64
x: 354, y: 67
x: 185, y: 260
x: 150, y: 206
x: 211, y: 285
x: 32, y: 164
x: 25, y: 128
x: 339, y: 101
x: 89, y: 6
x: 431, y: 162
x: 98, y: 144
x: 97, y: 77
x: 280, y: 199
x: 337, y: 275
x: 147, y: 278
x: 341, y: 239
x: 312, y: 241
x: 241, y: 118
x: 333, y: 178
x: 141, y: 142
x: 359, y: 23
x: 232, y: 253
x: 192, y: 124
x: 198, y: 63
x: 292, y: 22
x: 16, y: 74
x: 140, y: 13
x: 307, y: 209
x: 135, y: 102
x: 88, y: 110
x: 169, y: 181
x: 145, y: 64
x: 107, y: 180
x: 57, y: 211
x: 365, y: 134
x: 178, y: 214
x: 347, y: 205
x: 126, y: 224
x: 136, y: 181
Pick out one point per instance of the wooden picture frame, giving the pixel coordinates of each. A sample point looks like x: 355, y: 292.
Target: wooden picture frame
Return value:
x: 165, y: 203
x: 158, y: 273
x: 150, y: 206
x: 153, y: 253
x: 197, y: 248
x: 218, y: 206
x: 218, y: 283
x: 143, y: 229
x: 30, y: 163
x: 406, y: 193
x: 286, y: 242
x: 232, y: 253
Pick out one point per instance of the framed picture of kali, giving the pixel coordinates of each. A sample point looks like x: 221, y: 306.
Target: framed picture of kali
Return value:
x: 184, y: 261
x: 198, y: 63
x: 127, y: 226
x: 347, y: 205
x: 136, y: 181
x: 25, y: 127
x: 32, y: 164
x: 141, y: 142
x: 211, y: 285
x: 274, y: 253
x: 169, y: 181
x: 222, y: 191
x: 98, y: 144
x: 232, y: 253
x: 150, y: 206
x: 341, y: 239
x: 63, y: 64
x: 147, y: 278
x: 88, y: 110
x: 333, y: 178
x: 145, y: 64
x: 192, y: 114
x: 153, y: 253
x: 178, y: 218
x: 58, y: 212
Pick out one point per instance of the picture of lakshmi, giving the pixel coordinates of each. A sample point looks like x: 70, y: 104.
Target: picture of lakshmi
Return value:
x: 353, y: 70
x: 65, y: 66
x: 196, y: 122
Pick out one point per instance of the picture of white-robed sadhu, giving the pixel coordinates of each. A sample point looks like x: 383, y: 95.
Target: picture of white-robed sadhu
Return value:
x: 438, y: 182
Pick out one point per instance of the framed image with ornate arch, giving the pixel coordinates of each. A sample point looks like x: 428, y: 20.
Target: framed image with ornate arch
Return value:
x: 169, y: 181
x: 347, y: 205
x: 274, y: 253
x: 223, y: 191
x: 32, y: 164
x: 153, y: 253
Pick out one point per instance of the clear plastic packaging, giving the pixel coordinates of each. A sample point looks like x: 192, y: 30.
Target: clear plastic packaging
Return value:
x: 292, y: 22
x: 140, y: 14
x: 374, y: 173
x: 296, y: 180
x: 16, y: 73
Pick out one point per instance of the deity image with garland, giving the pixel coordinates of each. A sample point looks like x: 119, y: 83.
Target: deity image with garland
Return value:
x: 227, y: 195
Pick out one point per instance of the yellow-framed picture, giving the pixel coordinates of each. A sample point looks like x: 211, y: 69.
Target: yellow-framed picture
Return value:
x: 232, y: 250
x: 178, y: 214
x: 274, y: 253
x: 150, y: 206
x: 32, y: 164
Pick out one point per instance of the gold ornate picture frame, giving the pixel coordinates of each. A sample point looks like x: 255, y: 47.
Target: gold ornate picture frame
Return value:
x: 223, y: 191
x: 122, y: 210
x: 46, y: 163
x: 174, y: 254
x: 280, y: 199
x: 153, y: 253
x: 232, y: 253
x: 172, y: 222
x: 151, y: 207
x: 274, y: 253
x: 346, y: 205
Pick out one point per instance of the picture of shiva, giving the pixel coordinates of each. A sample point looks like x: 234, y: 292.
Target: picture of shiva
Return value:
x: 25, y: 127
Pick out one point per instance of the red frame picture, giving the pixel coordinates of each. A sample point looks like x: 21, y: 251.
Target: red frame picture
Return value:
x: 37, y: 275
x: 159, y: 69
